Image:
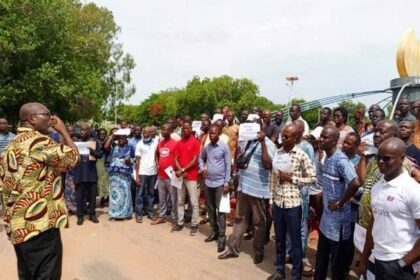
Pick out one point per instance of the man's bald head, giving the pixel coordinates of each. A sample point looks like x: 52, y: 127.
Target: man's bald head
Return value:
x: 300, y: 125
x: 29, y: 109
x: 393, y: 146
x: 333, y: 131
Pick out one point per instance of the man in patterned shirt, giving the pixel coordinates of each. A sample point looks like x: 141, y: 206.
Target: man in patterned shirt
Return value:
x: 287, y: 208
x: 30, y: 176
x: 339, y: 182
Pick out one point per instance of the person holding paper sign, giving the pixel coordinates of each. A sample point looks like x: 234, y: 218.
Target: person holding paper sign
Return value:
x: 292, y: 170
x: 393, y: 231
x: 253, y: 190
x: 86, y: 176
x: 165, y: 154
x: 215, y: 166
x: 186, y: 165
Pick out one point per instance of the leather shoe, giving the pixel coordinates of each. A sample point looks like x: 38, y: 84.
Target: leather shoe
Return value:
x: 212, y: 237
x: 80, y: 221
x: 248, y: 236
x: 93, y: 219
x: 258, y: 258
x: 139, y: 219
x: 158, y: 221
x: 276, y: 276
x: 227, y: 255
x: 221, y: 247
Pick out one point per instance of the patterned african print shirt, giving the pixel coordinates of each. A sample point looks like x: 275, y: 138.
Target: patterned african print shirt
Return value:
x: 30, y: 178
x: 287, y: 194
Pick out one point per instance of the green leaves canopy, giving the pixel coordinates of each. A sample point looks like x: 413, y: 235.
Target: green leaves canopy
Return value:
x: 60, y: 53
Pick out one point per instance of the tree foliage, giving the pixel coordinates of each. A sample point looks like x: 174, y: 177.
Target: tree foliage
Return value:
x: 61, y: 53
x: 351, y: 108
x: 198, y: 96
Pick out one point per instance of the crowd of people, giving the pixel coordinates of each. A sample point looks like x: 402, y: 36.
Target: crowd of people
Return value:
x: 332, y: 178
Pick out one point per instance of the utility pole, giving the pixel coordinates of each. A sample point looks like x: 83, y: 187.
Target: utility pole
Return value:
x: 290, y: 82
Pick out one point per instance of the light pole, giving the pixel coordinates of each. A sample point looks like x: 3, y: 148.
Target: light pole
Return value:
x: 290, y: 81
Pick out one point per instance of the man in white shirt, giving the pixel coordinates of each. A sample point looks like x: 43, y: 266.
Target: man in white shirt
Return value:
x: 295, y: 114
x: 393, y: 232
x: 146, y: 175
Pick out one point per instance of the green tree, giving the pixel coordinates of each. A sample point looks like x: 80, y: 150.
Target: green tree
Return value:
x: 351, y: 108
x: 63, y: 54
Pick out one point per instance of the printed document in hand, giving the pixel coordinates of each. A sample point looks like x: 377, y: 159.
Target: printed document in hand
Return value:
x: 248, y: 131
x: 282, y: 162
x: 196, y: 126
x: 368, y: 139
x: 224, y: 206
x: 83, y: 148
x: 175, y: 181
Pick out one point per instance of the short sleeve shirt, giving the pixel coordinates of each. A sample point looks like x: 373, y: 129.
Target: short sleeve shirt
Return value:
x: 395, y: 207
x: 337, y: 174
x: 186, y: 150
x: 30, y: 179
x: 147, y: 154
x: 166, y: 150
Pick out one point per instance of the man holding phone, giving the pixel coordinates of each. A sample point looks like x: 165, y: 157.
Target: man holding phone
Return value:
x: 30, y: 179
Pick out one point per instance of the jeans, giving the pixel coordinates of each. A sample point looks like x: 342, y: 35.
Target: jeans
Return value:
x: 288, y: 220
x: 304, y: 192
x: 86, y: 192
x: 389, y: 270
x: 192, y: 189
x: 167, y: 195
x: 335, y: 252
x: 217, y: 219
x: 145, y: 195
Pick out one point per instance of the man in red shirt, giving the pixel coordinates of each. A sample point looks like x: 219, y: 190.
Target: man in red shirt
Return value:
x: 165, y: 154
x: 186, y: 166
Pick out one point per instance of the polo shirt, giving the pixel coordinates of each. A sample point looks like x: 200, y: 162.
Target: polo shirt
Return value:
x: 185, y: 151
x: 166, y: 150
x: 395, y: 207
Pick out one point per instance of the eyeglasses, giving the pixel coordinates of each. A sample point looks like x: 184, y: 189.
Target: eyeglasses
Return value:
x: 384, y: 158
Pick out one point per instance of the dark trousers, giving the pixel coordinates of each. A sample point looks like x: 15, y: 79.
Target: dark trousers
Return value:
x: 217, y: 219
x: 245, y: 205
x: 288, y: 220
x: 336, y: 253
x: 391, y: 270
x: 40, y: 257
x: 86, y: 192
x: 145, y: 195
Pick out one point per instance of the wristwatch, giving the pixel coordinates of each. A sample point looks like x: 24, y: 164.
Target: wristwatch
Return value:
x: 182, y: 170
x: 338, y: 204
x: 402, y: 263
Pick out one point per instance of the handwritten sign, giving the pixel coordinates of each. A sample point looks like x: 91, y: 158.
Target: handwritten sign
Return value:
x: 123, y: 131
x: 248, y: 131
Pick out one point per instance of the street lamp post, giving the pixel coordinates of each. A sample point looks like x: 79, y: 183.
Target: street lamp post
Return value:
x: 290, y: 81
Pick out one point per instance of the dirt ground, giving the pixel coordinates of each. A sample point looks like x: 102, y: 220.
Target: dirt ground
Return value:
x: 119, y: 250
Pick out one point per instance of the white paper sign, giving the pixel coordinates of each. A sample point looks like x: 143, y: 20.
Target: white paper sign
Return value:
x: 83, y: 148
x: 224, y: 206
x: 175, y: 181
x: 282, y: 162
x: 196, y: 126
x: 252, y: 117
x: 317, y: 132
x: 248, y: 131
x: 123, y: 131
x: 217, y: 117
x: 368, y: 139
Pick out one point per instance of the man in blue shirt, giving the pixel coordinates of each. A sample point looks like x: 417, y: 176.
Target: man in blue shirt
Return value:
x: 5, y: 135
x: 339, y: 182
x: 253, y: 190
x: 215, y: 165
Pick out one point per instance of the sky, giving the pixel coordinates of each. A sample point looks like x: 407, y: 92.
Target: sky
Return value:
x: 333, y: 47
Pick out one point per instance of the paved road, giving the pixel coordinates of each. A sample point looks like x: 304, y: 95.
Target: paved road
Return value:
x: 114, y: 250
